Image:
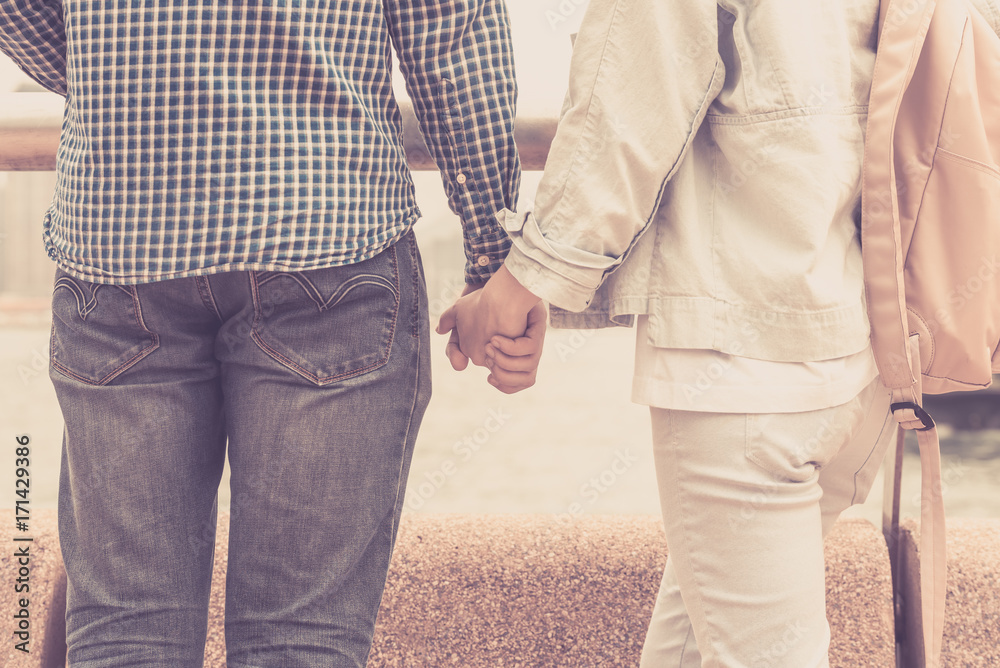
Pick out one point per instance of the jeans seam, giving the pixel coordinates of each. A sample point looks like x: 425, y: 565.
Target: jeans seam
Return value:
x: 695, y: 595
x: 406, y: 439
x: 311, y: 376
x: 687, y: 637
x: 415, y: 269
x: 878, y: 439
x: 207, y: 296
x: 749, y: 451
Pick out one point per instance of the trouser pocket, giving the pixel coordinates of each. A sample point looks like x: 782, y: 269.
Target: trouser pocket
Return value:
x: 795, y: 446
x: 329, y: 324
x: 98, y: 331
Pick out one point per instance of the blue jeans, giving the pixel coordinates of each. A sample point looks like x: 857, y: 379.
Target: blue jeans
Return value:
x: 317, y: 380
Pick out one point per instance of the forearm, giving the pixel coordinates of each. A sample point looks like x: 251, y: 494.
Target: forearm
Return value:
x: 625, y: 131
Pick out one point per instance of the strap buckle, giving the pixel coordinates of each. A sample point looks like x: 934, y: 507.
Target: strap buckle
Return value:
x: 918, y: 410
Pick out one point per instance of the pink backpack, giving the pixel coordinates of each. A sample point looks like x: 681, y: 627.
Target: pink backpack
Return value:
x: 931, y: 242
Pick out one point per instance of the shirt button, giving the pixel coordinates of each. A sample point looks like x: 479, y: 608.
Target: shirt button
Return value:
x: 461, y: 179
x: 483, y: 260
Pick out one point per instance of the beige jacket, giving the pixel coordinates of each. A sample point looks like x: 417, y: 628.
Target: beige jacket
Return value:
x: 706, y: 172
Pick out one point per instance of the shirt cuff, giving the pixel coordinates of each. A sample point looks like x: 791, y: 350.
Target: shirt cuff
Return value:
x: 562, y: 275
x: 484, y: 257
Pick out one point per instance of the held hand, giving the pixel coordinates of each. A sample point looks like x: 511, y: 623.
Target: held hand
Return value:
x: 513, y: 363
x: 453, y: 350
x: 502, y: 309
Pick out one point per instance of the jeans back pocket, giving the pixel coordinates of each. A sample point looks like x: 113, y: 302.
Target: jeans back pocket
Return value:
x: 329, y: 324
x: 97, y: 330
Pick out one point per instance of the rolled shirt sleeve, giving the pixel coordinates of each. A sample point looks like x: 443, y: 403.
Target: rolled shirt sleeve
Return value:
x: 642, y: 77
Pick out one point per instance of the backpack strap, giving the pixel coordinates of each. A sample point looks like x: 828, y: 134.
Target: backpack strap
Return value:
x: 903, y: 30
x: 933, y: 556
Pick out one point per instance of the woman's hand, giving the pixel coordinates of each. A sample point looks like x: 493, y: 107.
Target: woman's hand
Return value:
x: 501, y: 327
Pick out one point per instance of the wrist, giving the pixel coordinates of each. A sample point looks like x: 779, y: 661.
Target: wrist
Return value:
x: 511, y: 296
x: 508, y: 302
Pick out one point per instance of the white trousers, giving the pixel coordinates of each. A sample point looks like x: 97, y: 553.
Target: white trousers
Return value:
x: 747, y: 500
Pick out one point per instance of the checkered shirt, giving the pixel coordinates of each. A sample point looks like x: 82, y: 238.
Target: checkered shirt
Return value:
x: 202, y: 136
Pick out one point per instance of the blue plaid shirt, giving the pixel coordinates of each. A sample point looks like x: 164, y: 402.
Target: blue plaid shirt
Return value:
x: 202, y: 136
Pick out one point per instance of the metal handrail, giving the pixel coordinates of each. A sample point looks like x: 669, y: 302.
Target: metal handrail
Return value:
x: 30, y: 124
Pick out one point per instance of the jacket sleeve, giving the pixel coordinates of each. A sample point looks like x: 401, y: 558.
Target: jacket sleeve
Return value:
x: 33, y: 35
x: 642, y: 77
x: 458, y: 62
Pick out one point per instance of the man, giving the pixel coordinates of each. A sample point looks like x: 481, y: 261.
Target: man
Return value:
x: 232, y: 227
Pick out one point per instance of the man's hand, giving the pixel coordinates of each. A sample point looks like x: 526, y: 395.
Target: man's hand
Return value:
x: 500, y: 327
x: 453, y: 350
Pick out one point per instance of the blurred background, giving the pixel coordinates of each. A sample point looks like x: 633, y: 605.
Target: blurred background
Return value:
x: 572, y: 444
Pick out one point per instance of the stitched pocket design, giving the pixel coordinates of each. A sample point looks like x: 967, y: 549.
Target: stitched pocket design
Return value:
x: 330, y: 324
x: 97, y: 330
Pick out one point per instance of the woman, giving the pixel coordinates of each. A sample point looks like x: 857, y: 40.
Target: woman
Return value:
x: 703, y: 184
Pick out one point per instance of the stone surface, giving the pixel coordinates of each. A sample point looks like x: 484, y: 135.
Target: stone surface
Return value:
x: 529, y: 591
x: 519, y: 590
x: 508, y: 591
x: 215, y: 644
x: 859, y: 597
x: 46, y: 597
x: 972, y: 608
